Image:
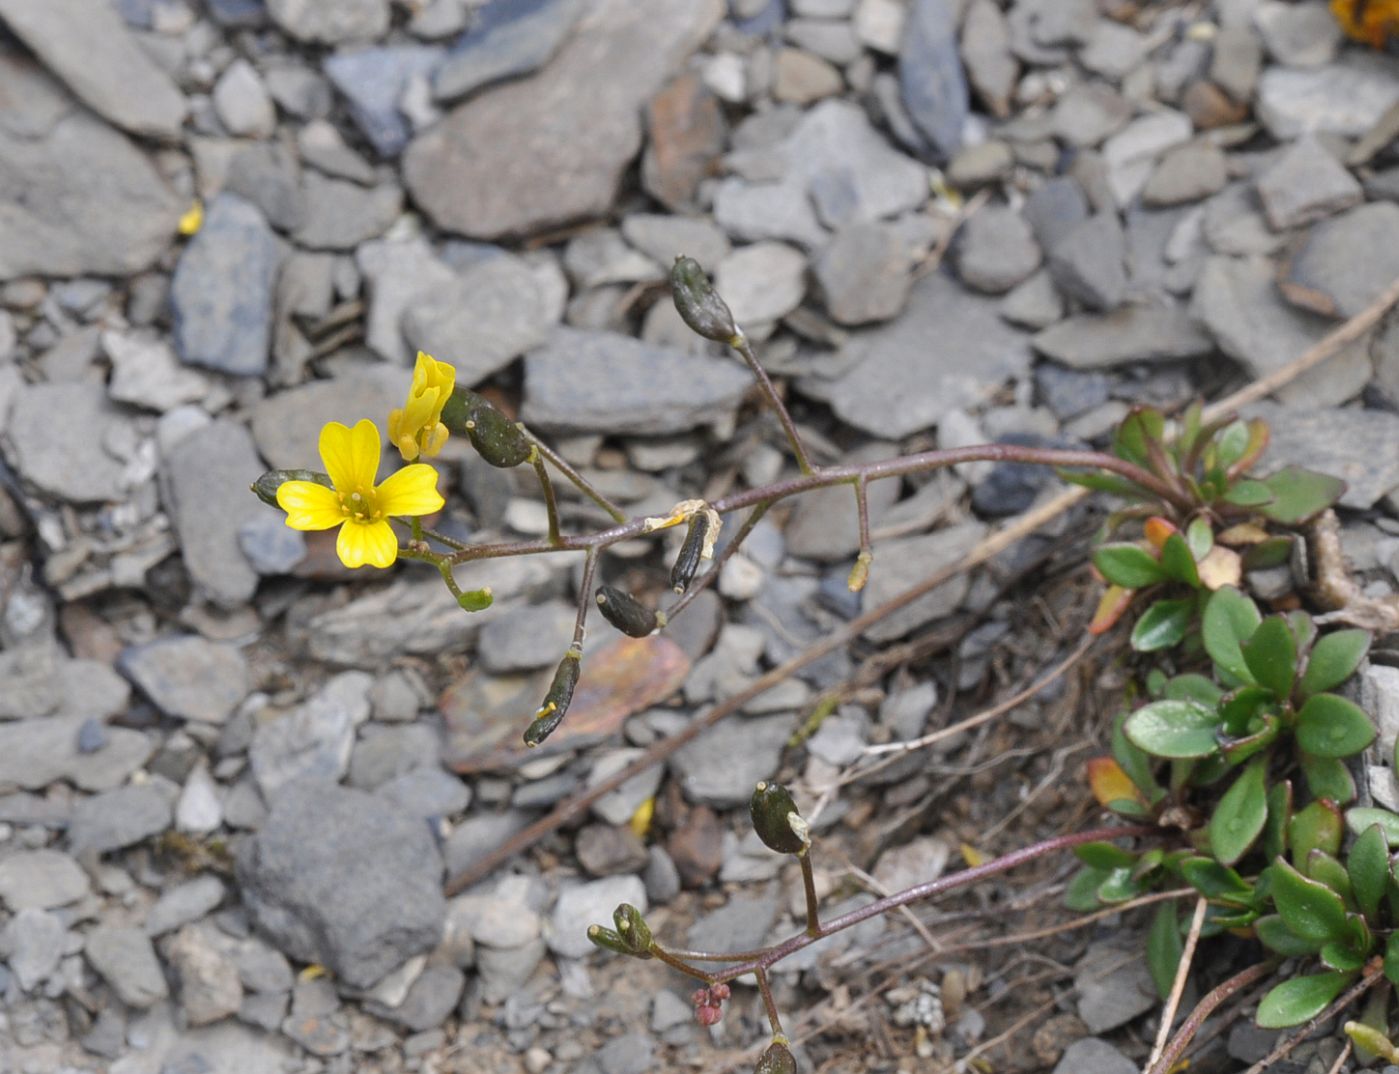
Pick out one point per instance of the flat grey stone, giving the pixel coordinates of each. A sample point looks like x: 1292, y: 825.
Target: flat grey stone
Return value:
x: 742, y: 923
x: 721, y: 768
x: 932, y: 82
x: 664, y: 238
x: 1131, y: 153
x: 1347, y: 97
x: 1346, y: 261
x: 592, y: 381
x: 996, y: 250
x: 88, y: 46
x: 204, y: 485
x: 339, y: 215
x: 199, y: 808
x: 33, y: 942
x: 209, y: 986
x: 242, y: 103
x: 125, y: 959
x: 287, y: 426
x: 1186, y: 173
x: 980, y: 165
x: 396, y: 273
x: 1093, y: 1056
x: 118, y: 818
x: 507, y: 39
x: 146, y: 373
x: 587, y: 904
x: 385, y: 753
x: 427, y: 793
x: 79, y: 469
x: 899, y: 385
x: 1113, y: 987
x: 184, y: 903
x: 991, y: 68
x: 313, y: 741
x: 1131, y: 334
x: 824, y: 524
x: 471, y: 174
x: 904, y: 561
x: 35, y: 753
x: 763, y: 282
x: 1090, y: 262
x: 526, y: 638
x: 756, y: 212
x: 1306, y: 183
x: 1035, y: 303
x: 1234, y: 223
x: 40, y: 880
x: 373, y: 81
x: 430, y: 1000
x: 342, y: 878
x: 1302, y: 34
x: 188, y: 677
x: 1090, y: 112
x: 221, y: 293
x: 506, y: 916
x: 865, y: 273
x: 504, y: 971
x: 331, y: 24
x: 1334, y: 440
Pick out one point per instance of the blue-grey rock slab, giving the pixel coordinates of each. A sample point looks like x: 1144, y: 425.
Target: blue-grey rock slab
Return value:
x: 1345, y: 262
x: 933, y: 84
x: 904, y: 561
x: 597, y: 381
x: 1351, y: 443
x: 221, y: 294
x: 35, y: 753
x: 1344, y: 98
x: 40, y: 880
x: 119, y: 818
x: 319, y: 22
x: 76, y: 468
x: 1138, y: 333
x: 343, y: 878
x: 188, y: 677
x: 125, y: 959
x: 372, y: 81
x: 508, y: 39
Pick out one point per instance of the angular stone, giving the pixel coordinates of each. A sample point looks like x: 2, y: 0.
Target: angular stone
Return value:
x: 342, y: 878
x: 471, y: 174
x: 331, y: 24
x: 604, y: 382
x: 1113, y: 988
x: 287, y: 425
x: 1131, y: 334
x: 145, y: 372
x: 1131, y: 153
x: 1345, y: 262
x: 209, y: 987
x: 396, y: 273
x: 204, y: 485
x: 1345, y: 98
x: 340, y: 215
x: 313, y: 741
x: 754, y: 212
x: 88, y: 46
x: 763, y: 282
x: 1187, y: 173
x: 865, y: 273
x: 116, y: 819
x: 1235, y: 62
x: 33, y: 942
x: 125, y: 959
x: 801, y: 78
x: 904, y: 561
x: 721, y: 768
x: 931, y: 79
x: 1303, y: 34
x: 35, y: 753
x: 1334, y: 440
x: 1034, y: 304
x: 980, y: 165
x: 40, y: 880
x: 684, y: 136
x: 991, y: 67
x: 373, y: 81
x: 997, y: 250
x: 221, y: 293
x: 242, y: 102
x: 184, y: 903
x: 188, y: 677
x: 589, y: 904
x: 1306, y: 183
x: 1093, y: 1056
x: 79, y: 469
x: 1090, y: 112
x: 1090, y: 262
x: 899, y: 385
x: 507, y: 39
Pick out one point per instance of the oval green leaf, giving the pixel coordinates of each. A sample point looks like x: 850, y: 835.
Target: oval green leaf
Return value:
x: 1163, y: 625
x: 1317, y: 827
x: 1178, y: 563
x: 1295, y: 1001
x: 1391, y: 959
x: 1311, y: 910
x: 1300, y: 494
x: 1357, y: 820
x: 1164, y: 948
x: 1334, y: 659
x: 1229, y: 620
x: 1274, y: 934
x: 1368, y: 866
x: 1331, y: 726
x: 1271, y: 656
x: 1128, y: 565
x: 1239, y: 817
x: 1328, y: 777
x: 1175, y: 729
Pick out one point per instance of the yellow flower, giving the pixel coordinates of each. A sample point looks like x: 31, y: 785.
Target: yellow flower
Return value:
x: 1371, y: 21
x: 356, y: 504
x: 418, y: 428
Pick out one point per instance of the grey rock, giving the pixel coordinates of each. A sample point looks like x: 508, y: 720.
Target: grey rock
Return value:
x: 587, y: 904
x: 1234, y: 223
x: 1090, y: 262
x: 1238, y: 302
x: 865, y: 273
x: 1345, y: 98
x: 221, y: 294
x: 266, y: 1011
x: 40, y: 880
x: 468, y: 172
x: 933, y: 84
x: 331, y: 24
x: 270, y: 545
x: 83, y: 470
x: 979, y: 165
x: 601, y: 256
x: 427, y: 793
x: 902, y: 562
x: 504, y: 917
x: 125, y: 959
x: 373, y: 80
x: 1298, y: 35
x: 1305, y: 183
x: 343, y: 878
x: 209, y: 986
x: 262, y: 968
x: 631, y: 1053
x: 828, y: 38
x: 899, y: 385
x: 482, y: 319
x: 323, y: 147
x: 824, y: 525
x: 1113, y: 988
x: 1335, y: 441
x: 87, y: 45
x: 589, y: 381
x: 762, y: 282
x: 199, y: 808
x: 287, y: 426
x: 618, y: 806
x: 504, y: 971
x: 118, y: 818
x: 183, y: 904
x: 661, y: 876
x: 607, y: 851
x: 107, y: 1037
x: 990, y: 66
x: 1131, y: 334
x: 1035, y: 303
x: 507, y: 39
x: 740, y: 924
x: 340, y: 215
x: 431, y: 998
x: 397, y: 272
x: 526, y: 638
x: 664, y: 238
x: 33, y: 942
x: 1235, y: 62
x: 754, y: 212
x: 1187, y: 173
x: 1089, y: 113
x: 204, y: 484
x: 1055, y: 210
x: 268, y: 175
x: 997, y: 250
x: 146, y: 373
x: 385, y: 753
x: 1114, y: 50
x: 721, y: 769
x: 1345, y: 262
x: 35, y: 753
x: 1093, y: 1056
x: 313, y: 740
x: 1131, y: 153
x: 242, y: 102
x: 188, y: 677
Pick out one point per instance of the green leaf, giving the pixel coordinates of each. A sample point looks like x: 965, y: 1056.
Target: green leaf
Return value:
x: 1303, y: 629
x: 1081, y: 894
x: 1279, y: 819
x: 1120, y: 886
x: 1238, y: 750
x: 1230, y: 619
x: 1178, y: 563
x: 1317, y: 827
x: 1164, y: 948
x: 1298, y: 999
x: 1231, y: 442
x: 1162, y: 625
x: 1105, y: 856
x: 1328, y: 777
x: 1200, y: 537
x: 1360, y: 818
x: 1101, y: 482
x: 1274, y: 934
x: 1241, y: 709
x: 1271, y: 656
x: 1248, y: 493
x: 1391, y: 959
x: 476, y: 600
x: 1342, y: 956
x: 1140, y: 425
x: 1193, y: 687
x: 1299, y: 494
x: 1272, y: 552
x: 1128, y: 565
x: 1325, y: 869
x: 1239, y: 817
x: 1216, y: 882
x: 1368, y: 866
x: 1334, y: 659
x: 1331, y: 726
x: 1176, y: 729
x: 1134, y: 761
x: 1311, y: 909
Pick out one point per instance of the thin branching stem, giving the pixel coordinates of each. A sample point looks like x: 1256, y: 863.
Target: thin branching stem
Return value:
x: 551, y: 505
x: 676, y: 963
x: 585, y: 589
x: 813, y: 917
x: 862, y: 510
x: 1168, y: 1013
x: 745, y: 348
x: 1374, y: 970
x: 765, y: 989
x: 1206, y: 1007
x: 577, y: 480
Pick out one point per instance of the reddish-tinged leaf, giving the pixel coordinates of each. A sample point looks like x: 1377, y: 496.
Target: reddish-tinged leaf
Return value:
x: 1111, y: 607
x: 1110, y: 783
x: 1157, y: 530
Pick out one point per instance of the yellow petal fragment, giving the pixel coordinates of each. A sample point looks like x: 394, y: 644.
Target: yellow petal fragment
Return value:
x: 410, y: 491
x: 351, y: 456
x: 371, y: 543
x: 309, y: 506
x: 192, y: 219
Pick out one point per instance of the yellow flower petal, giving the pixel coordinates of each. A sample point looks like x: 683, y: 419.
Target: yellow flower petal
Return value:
x: 373, y: 543
x: 351, y: 456
x: 410, y: 491
x: 309, y: 506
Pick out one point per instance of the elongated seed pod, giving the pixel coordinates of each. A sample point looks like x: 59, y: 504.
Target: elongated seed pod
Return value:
x: 607, y: 940
x: 625, y: 612
x: 495, y: 437
x: 557, y: 700
x: 776, y: 1059
x: 635, y: 934
x: 699, y: 305
x: 691, y: 552
x: 266, y: 486
x: 776, y: 820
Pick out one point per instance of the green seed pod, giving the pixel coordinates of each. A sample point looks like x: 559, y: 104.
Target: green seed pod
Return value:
x: 633, y: 930
x: 776, y: 820
x: 777, y: 1059
x: 691, y: 552
x: 495, y: 437
x: 477, y: 600
x: 265, y: 487
x: 625, y: 612
x: 607, y: 940
x: 699, y: 305
x: 860, y: 573
x: 556, y: 701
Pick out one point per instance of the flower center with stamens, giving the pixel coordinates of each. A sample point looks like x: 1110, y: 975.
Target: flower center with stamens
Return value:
x: 361, y: 505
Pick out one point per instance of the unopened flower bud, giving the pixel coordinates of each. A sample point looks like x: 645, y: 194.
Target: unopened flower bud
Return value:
x: 607, y: 940
x: 777, y: 1059
x: 625, y: 612
x: 699, y: 305
x: 633, y: 930
x: 266, y: 486
x: 556, y: 701
x: 860, y: 573
x: 708, y: 1016
x: 776, y: 820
